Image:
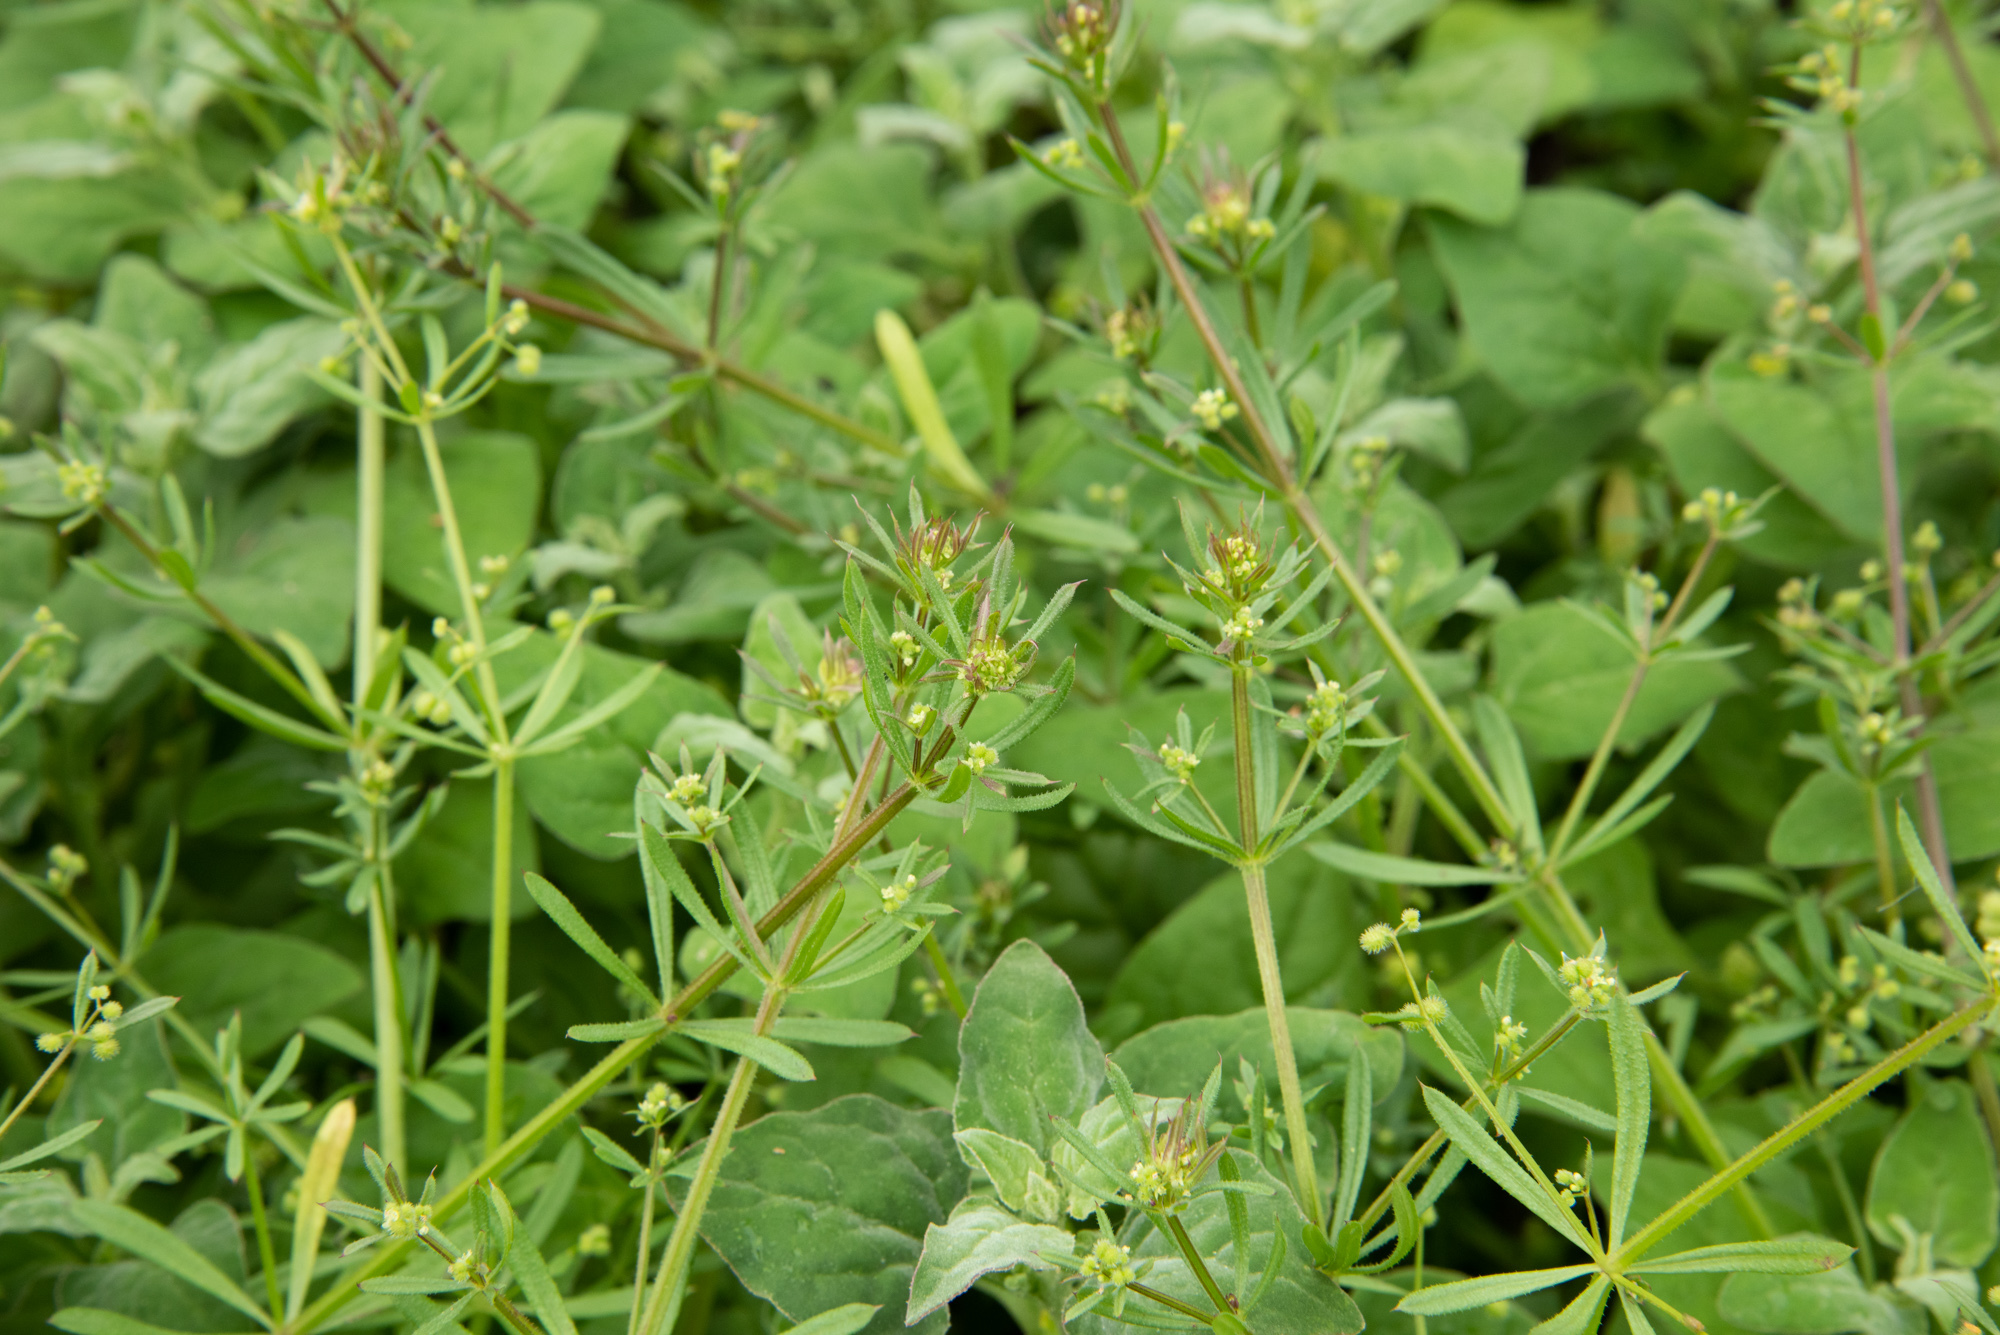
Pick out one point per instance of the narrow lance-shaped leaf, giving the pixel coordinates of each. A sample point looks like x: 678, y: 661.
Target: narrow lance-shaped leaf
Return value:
x: 1782, y: 1256
x: 1486, y: 1152
x: 1461, y: 1294
x: 1633, y: 1078
x: 127, y: 1228
x: 564, y: 914
x: 739, y: 1037
x: 1942, y: 903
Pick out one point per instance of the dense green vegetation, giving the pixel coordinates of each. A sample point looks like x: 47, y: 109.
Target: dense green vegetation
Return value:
x: 828, y: 665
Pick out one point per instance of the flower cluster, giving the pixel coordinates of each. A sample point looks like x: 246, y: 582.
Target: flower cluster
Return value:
x: 1326, y: 709
x: 66, y: 867
x: 1080, y: 32
x: 101, y: 1034
x: 1212, y: 407
x: 1179, y: 761
x: 1226, y: 214
x: 1177, y: 1158
x: 1109, y: 1265
x: 1133, y: 333
x: 993, y: 667
x: 1590, y: 981
x: 896, y: 892
x: 406, y: 1219
x: 1570, y: 1184
x: 659, y: 1105
x: 1381, y: 935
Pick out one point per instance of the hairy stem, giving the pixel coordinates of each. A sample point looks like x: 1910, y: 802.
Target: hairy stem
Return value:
x: 1192, y: 1255
x: 1258, y: 901
x: 670, y: 1284
x: 498, y: 955
x: 1580, y: 802
x: 954, y: 995
x: 566, y: 1104
x: 389, y: 1094
x: 369, y: 474
x: 1799, y: 1128
x: 1930, y: 818
x: 34, y: 1090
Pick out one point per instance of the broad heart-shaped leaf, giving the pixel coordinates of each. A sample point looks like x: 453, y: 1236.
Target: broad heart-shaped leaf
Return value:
x: 1473, y: 172
x: 1702, y: 452
x: 816, y: 1209
x: 1935, y: 1173
x: 979, y: 1239
x: 1826, y: 821
x: 496, y: 483
x: 1172, y: 1060
x: 1024, y: 1051
x: 276, y: 980
x: 1011, y: 1166
x: 1561, y: 675
x: 1300, y: 1300
x: 1201, y: 960
x: 1826, y: 1303
x: 1565, y: 301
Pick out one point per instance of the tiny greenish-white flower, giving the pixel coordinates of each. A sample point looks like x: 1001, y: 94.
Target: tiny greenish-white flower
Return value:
x: 1109, y: 1264
x: 1590, y: 982
x: 1212, y: 407
x: 687, y: 787
x: 979, y: 755
x: 594, y: 1241
x: 1571, y: 1184
x: 1241, y: 626
x: 659, y: 1103
x: 406, y: 1219
x: 920, y: 717
x: 1178, y: 761
x: 897, y: 893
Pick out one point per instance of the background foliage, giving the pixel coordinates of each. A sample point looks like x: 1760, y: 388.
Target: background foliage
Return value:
x: 1513, y: 284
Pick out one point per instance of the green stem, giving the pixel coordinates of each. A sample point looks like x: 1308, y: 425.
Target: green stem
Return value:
x: 1168, y: 1301
x: 1304, y: 511
x: 389, y: 1097
x: 35, y: 1089
x: 953, y: 995
x: 1580, y: 801
x: 369, y: 475
x: 669, y: 1285
x: 1271, y: 981
x: 566, y: 1104
x: 645, y: 1233
x: 1798, y: 1129
x: 266, y: 1253
x: 1192, y: 1255
x: 497, y: 957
